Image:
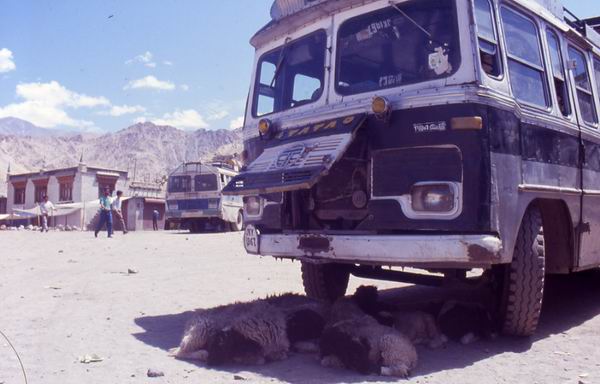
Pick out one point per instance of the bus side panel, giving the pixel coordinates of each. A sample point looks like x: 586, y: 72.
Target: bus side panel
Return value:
x: 590, y: 230
x: 530, y: 162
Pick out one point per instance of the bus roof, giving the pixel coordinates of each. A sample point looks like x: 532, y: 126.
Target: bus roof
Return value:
x: 290, y: 15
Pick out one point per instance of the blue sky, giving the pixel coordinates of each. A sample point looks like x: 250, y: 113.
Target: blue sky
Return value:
x: 100, y: 65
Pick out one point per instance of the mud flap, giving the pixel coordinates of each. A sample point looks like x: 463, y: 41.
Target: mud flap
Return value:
x: 297, y: 158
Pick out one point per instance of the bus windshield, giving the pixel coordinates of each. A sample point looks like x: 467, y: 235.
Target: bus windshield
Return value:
x: 204, y: 183
x: 291, y: 76
x: 180, y: 184
x: 402, y: 44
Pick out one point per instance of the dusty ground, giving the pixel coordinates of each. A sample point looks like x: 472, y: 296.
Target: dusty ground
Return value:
x: 65, y: 295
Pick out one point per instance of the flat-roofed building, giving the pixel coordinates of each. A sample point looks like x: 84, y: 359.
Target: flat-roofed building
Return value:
x: 75, y: 192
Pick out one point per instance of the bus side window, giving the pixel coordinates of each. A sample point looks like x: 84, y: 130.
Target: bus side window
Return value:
x: 558, y: 73
x: 585, y: 95
x: 525, y: 65
x: 489, y: 50
x: 597, y: 72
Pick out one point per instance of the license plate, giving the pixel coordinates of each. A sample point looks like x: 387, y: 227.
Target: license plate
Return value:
x: 251, y: 239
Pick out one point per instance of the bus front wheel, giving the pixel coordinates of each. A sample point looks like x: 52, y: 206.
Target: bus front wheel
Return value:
x: 239, y: 223
x: 521, y: 285
x: 326, y: 282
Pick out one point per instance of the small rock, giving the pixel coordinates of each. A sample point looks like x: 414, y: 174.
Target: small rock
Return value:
x: 87, y: 359
x: 131, y: 271
x: 154, y: 373
x: 238, y: 377
x: 60, y: 251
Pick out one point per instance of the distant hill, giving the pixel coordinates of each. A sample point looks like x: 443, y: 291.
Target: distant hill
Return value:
x: 150, y: 149
x: 18, y: 127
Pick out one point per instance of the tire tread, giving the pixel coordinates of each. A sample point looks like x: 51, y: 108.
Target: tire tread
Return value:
x: 525, y: 278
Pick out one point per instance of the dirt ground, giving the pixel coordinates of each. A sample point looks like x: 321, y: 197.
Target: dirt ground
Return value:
x: 67, y: 295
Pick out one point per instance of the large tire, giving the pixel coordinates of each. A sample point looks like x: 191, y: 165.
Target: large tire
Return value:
x: 239, y: 223
x: 523, y: 280
x: 197, y: 226
x: 326, y: 282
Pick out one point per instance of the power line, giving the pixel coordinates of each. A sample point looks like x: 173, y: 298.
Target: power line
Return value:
x: 16, y: 354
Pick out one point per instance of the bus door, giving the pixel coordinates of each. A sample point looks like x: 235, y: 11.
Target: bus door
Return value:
x: 586, y: 96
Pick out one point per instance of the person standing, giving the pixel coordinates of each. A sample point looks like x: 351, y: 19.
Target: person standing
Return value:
x: 105, y: 214
x: 155, y: 217
x: 118, y: 213
x: 45, y: 208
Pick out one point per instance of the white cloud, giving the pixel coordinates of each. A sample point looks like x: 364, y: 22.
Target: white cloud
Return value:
x: 150, y: 82
x: 145, y: 58
x: 121, y: 110
x: 184, y: 87
x: 168, y: 63
x: 218, y: 115
x: 7, y: 63
x: 187, y: 119
x: 46, y: 104
x: 237, y: 122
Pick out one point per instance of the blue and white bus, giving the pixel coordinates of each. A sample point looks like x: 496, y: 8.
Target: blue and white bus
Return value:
x: 445, y: 135
x: 194, y: 199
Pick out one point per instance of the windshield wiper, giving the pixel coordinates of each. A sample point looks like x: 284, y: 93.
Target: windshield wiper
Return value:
x: 280, y: 62
x: 397, y: 8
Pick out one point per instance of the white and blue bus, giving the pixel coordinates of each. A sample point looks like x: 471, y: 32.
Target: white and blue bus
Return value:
x: 194, y: 199
x: 445, y: 135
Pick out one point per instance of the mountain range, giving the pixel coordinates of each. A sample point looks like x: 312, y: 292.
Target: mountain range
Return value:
x: 147, y: 150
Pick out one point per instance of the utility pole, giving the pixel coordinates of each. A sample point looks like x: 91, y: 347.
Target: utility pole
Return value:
x: 134, y: 168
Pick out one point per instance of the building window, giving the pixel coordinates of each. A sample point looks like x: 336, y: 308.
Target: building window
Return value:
x: 585, y: 95
x: 103, y: 186
x: 19, y: 196
x: 558, y: 73
x: 65, y: 188
x: 489, y: 50
x: 106, y: 181
x: 41, y: 191
x: 66, y: 191
x: 525, y: 65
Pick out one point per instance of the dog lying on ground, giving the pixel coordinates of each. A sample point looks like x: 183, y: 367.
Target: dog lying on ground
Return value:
x: 355, y: 340
x: 420, y: 327
x: 466, y: 322
x: 252, y: 333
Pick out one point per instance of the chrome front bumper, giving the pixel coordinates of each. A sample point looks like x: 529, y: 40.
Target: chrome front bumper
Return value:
x: 439, y: 250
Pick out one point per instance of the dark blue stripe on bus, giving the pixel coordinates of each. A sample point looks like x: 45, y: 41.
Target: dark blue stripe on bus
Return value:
x: 195, y: 204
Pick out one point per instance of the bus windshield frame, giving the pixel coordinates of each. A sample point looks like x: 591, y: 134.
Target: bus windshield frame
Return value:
x: 291, y: 75
x: 403, y: 44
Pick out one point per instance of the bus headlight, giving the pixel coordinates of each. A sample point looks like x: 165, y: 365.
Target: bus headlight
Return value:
x: 432, y: 198
x: 380, y: 106
x: 265, y: 127
x: 252, y: 205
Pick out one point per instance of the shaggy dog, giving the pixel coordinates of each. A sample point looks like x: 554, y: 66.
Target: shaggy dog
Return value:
x: 420, y: 327
x: 355, y: 340
x: 465, y: 322
x: 252, y: 333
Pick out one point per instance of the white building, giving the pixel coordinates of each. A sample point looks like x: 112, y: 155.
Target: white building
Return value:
x: 68, y: 188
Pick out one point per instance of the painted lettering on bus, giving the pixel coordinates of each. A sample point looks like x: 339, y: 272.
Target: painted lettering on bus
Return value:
x: 315, y: 128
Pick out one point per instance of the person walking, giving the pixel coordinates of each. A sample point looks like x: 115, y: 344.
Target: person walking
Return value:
x: 45, y: 208
x: 155, y: 217
x: 105, y: 214
x: 117, y: 212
